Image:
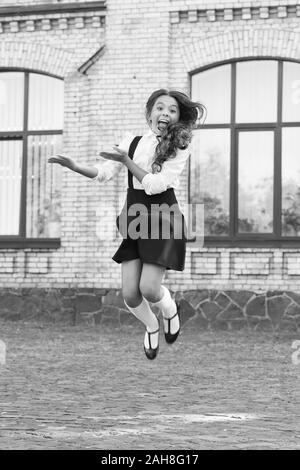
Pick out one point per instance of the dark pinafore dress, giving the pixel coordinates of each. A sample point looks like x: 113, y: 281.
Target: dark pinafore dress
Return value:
x: 152, y: 226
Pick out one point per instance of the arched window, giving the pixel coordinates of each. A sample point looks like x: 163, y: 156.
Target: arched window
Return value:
x: 31, y: 121
x: 245, y: 164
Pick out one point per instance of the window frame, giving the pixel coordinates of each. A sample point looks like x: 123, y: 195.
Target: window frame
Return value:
x: 20, y: 240
x: 234, y: 239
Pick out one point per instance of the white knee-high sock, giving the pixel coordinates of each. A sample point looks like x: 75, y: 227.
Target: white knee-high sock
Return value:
x: 144, y: 313
x: 166, y: 304
x: 168, y: 308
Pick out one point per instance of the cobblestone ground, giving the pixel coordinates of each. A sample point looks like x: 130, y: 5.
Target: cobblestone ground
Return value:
x: 92, y: 388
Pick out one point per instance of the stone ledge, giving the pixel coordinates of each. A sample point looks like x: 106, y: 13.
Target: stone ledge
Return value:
x: 235, y: 13
x: 200, y: 309
x: 36, y: 23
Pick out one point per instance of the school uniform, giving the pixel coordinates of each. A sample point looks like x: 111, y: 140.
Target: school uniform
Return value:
x: 162, y: 227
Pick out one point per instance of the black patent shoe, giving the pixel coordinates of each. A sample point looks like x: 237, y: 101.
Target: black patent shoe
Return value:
x: 171, y: 337
x: 151, y: 353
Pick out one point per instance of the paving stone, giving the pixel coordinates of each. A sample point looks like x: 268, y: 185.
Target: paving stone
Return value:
x: 10, y: 315
x: 219, y: 325
x: 87, y: 290
x: 195, y: 297
x: 110, y: 311
x: 263, y: 324
x: 257, y: 307
x: 274, y: 293
x: 276, y: 307
x: 90, y: 387
x: 33, y: 292
x: 294, y: 296
x: 10, y: 301
x: 292, y: 311
x: 213, y: 294
x: 87, y: 303
x: 287, y: 324
x: 85, y: 318
x: 100, y: 291
x: 67, y: 292
x: 210, y: 310
x: 31, y: 307
x: 232, y: 312
x: 266, y: 325
x: 68, y: 302
x: 186, y: 311
x: 198, y: 322
x: 222, y: 300
x: 127, y: 318
x: 239, y: 297
x: 113, y: 297
x: 52, y: 302
x: 238, y: 324
x: 110, y: 320
x: 68, y: 316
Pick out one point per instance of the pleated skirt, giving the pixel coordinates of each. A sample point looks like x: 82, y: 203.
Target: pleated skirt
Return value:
x: 153, y: 229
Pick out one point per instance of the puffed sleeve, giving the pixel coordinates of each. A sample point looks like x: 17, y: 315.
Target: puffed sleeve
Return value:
x: 155, y: 183
x: 108, y: 169
x: 126, y: 141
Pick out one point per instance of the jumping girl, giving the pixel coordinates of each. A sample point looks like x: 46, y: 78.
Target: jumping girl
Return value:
x: 154, y: 162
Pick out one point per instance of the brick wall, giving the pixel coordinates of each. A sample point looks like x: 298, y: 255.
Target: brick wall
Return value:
x: 57, y: 43
x: 196, y: 41
x: 40, y: 2
x: 145, y: 48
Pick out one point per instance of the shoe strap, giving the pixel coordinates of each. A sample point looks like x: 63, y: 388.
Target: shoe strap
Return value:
x: 151, y: 333
x: 171, y: 318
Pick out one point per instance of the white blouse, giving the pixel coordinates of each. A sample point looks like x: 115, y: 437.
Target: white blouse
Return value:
x: 152, y: 183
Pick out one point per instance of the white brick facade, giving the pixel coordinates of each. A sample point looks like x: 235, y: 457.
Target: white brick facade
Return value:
x: 148, y: 45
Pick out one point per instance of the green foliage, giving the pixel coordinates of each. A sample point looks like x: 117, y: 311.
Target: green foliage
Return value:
x: 51, y: 212
x: 291, y: 215
x: 216, y: 220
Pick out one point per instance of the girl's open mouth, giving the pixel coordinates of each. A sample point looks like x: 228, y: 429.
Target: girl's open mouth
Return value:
x: 162, y: 125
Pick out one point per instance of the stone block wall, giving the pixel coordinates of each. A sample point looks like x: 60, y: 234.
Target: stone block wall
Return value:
x: 199, y: 309
x: 144, y: 48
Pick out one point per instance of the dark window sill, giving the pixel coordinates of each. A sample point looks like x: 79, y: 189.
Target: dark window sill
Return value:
x: 21, y: 243
x: 292, y: 242
x: 52, y: 243
x: 17, y: 10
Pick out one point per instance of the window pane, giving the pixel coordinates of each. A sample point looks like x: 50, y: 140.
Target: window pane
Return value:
x: 212, y: 88
x: 255, y: 182
x: 46, y: 102
x: 291, y: 92
x: 43, y: 187
x: 10, y: 186
x: 11, y: 101
x: 210, y: 171
x: 256, y: 91
x: 290, y: 181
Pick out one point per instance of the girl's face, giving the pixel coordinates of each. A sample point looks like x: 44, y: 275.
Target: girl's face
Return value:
x: 165, y: 111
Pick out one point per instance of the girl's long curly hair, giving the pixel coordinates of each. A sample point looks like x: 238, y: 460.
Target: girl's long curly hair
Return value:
x: 175, y: 136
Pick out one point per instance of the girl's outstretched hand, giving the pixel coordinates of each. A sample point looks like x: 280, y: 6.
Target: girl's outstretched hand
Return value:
x: 63, y: 161
x: 118, y: 156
